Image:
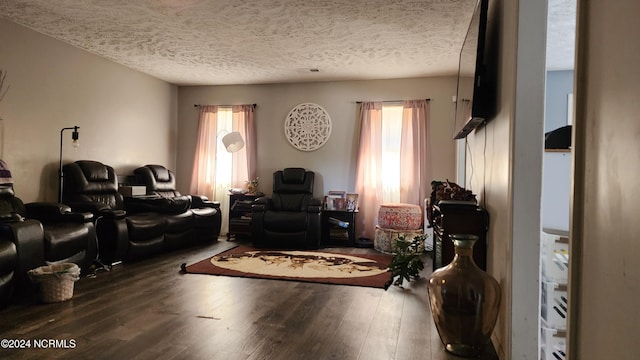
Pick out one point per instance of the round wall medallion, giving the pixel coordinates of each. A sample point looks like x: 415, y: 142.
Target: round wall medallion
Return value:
x: 307, y: 127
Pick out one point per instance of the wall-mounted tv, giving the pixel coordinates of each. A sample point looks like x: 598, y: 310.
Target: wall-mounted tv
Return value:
x: 475, y: 96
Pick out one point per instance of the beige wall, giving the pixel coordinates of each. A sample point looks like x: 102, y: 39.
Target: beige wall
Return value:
x: 335, y: 162
x: 488, y: 174
x: 506, y: 168
x: 605, y: 270
x: 126, y: 118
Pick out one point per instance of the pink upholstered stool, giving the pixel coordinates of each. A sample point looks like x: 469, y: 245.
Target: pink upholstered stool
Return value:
x: 400, y: 216
x: 394, y: 220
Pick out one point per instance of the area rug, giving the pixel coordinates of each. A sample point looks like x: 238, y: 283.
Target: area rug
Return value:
x: 370, y: 270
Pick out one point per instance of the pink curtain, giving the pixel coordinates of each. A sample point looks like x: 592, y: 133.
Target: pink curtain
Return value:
x: 415, y: 154
x: 203, y: 179
x: 244, y: 161
x: 415, y: 160
x: 368, y: 169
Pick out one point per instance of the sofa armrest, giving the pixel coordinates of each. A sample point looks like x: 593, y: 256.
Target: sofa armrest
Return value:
x: 28, y: 237
x: 113, y: 237
x: 200, y: 201
x: 261, y: 204
x: 315, y: 206
x: 95, y: 208
x: 112, y: 214
x: 10, y: 217
x: 47, y: 212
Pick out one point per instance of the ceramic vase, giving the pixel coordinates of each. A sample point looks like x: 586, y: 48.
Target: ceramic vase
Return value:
x: 464, y: 301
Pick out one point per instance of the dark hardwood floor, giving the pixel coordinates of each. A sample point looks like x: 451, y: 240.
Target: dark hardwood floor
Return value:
x: 149, y: 310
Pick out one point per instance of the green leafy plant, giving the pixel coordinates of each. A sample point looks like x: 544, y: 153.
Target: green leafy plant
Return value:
x: 407, y: 259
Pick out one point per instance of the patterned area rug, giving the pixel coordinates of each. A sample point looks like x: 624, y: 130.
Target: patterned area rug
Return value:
x: 298, y: 265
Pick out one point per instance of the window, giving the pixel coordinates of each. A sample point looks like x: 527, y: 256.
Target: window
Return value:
x: 215, y: 170
x: 393, y: 158
x: 391, y: 136
x: 224, y: 160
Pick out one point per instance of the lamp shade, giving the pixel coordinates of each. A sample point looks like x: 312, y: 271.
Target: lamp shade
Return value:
x: 233, y: 141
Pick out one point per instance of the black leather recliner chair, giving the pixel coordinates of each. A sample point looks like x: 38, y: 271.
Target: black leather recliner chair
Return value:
x: 291, y: 217
x: 161, y: 182
x: 129, y: 228
x: 35, y: 234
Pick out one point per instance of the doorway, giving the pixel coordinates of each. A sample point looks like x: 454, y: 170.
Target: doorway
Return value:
x: 556, y: 178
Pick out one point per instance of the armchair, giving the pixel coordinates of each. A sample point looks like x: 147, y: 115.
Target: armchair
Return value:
x: 291, y: 217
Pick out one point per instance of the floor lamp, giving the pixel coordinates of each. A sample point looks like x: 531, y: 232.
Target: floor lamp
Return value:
x: 233, y: 141
x: 74, y: 136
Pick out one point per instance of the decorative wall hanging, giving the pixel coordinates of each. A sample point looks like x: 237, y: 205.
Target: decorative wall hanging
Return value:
x: 307, y: 127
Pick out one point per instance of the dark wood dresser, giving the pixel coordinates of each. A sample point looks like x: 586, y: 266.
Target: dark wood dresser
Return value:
x: 458, y: 217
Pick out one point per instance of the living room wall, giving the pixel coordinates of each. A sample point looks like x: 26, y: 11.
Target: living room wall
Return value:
x: 126, y: 118
x: 604, y: 247
x: 558, y: 86
x: 335, y: 162
x: 506, y: 173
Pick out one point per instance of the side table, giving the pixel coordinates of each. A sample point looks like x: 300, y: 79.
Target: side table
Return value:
x: 338, y: 227
x: 240, y: 214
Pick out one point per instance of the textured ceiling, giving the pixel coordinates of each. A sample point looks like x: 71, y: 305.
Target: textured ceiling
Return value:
x: 214, y: 42
x: 561, y: 39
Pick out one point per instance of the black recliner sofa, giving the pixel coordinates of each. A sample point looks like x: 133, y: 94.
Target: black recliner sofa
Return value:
x: 36, y: 234
x: 160, y: 181
x: 291, y: 217
x: 132, y: 228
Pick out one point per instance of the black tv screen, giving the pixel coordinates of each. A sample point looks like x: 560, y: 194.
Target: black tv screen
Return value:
x: 475, y: 90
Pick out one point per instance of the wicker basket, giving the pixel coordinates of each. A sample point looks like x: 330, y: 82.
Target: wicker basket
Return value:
x: 56, y: 281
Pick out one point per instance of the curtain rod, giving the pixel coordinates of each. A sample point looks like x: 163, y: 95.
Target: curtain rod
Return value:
x: 388, y: 101
x: 197, y: 105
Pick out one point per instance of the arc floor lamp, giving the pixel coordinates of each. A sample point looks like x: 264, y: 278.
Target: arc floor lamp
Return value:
x: 76, y: 143
x: 233, y: 141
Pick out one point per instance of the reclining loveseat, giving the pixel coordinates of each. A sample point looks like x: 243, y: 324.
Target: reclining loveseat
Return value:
x: 134, y: 227
x: 34, y: 234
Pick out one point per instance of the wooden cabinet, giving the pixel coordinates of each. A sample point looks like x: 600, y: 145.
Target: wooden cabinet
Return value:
x: 338, y: 227
x: 458, y: 217
x: 240, y: 214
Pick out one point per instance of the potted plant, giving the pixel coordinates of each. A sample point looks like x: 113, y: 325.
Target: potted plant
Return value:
x: 407, y: 259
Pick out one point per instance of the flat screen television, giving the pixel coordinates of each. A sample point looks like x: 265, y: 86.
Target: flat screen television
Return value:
x: 475, y: 95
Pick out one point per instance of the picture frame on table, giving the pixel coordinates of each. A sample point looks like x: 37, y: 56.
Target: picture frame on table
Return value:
x: 335, y: 200
x: 351, y: 202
